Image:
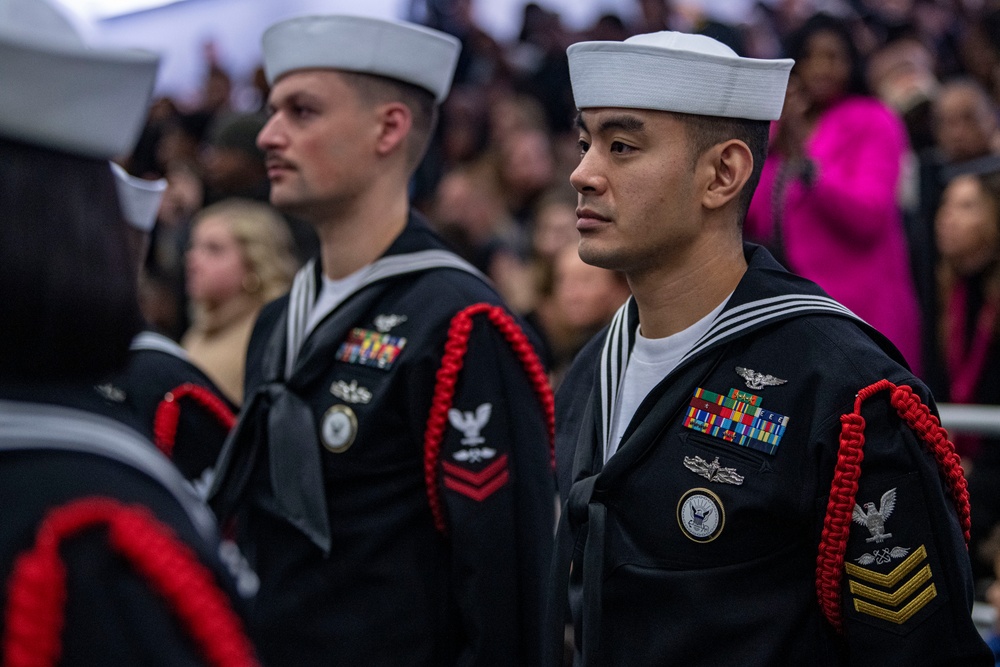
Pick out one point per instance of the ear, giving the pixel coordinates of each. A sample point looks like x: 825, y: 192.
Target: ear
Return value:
x: 728, y: 166
x: 395, y: 120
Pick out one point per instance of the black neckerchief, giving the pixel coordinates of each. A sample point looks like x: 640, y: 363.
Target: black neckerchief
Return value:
x: 294, y: 461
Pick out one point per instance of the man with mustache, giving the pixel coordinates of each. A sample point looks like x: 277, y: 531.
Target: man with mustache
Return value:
x: 751, y: 475
x: 390, y: 476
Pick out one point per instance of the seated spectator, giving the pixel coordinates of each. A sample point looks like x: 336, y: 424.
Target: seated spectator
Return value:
x: 827, y: 199
x: 232, y: 164
x: 240, y: 258
x: 968, y: 239
x: 965, y: 121
x: 469, y: 212
x: 980, y: 48
x: 901, y: 74
x: 964, y: 124
x: 526, y: 169
x: 554, y: 224
x: 583, y: 300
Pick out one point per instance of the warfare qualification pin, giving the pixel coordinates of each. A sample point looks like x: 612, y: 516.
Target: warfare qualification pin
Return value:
x: 700, y: 515
x: 340, y: 425
x: 757, y: 380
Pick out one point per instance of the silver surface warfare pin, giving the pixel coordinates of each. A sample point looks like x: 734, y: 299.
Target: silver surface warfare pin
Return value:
x: 386, y: 323
x: 713, y: 471
x: 756, y: 380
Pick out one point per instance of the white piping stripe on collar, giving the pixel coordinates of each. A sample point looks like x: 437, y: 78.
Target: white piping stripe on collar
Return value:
x: 615, y: 356
x: 149, y: 340
x: 774, y: 302
x: 765, y: 309
x: 300, y: 301
x: 28, y: 426
x: 618, y: 343
x: 303, y: 293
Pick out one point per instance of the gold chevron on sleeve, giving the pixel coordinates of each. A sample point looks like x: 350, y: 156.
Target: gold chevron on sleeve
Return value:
x: 892, y: 578
x: 893, y: 599
x: 904, y: 614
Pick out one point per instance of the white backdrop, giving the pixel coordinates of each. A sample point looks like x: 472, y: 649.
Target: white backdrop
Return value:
x: 180, y: 30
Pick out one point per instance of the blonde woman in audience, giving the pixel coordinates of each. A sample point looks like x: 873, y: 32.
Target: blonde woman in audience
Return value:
x: 240, y: 257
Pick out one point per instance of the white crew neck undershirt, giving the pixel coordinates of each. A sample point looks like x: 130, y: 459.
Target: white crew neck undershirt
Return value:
x: 652, y: 359
x: 332, y: 293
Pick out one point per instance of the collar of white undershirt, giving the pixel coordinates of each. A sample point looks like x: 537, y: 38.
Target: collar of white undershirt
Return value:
x: 332, y: 292
x: 675, y: 346
x: 653, y: 359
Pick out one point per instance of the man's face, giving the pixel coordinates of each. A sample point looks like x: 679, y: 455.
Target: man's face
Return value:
x: 637, y: 207
x: 317, y: 142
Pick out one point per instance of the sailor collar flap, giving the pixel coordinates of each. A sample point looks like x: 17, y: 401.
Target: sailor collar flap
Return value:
x: 37, y: 426
x: 301, y: 319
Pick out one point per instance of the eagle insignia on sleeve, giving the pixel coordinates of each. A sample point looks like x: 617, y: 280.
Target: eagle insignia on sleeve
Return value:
x: 874, y: 519
x: 471, y: 425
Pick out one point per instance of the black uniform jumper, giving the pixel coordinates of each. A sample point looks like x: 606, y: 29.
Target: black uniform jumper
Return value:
x: 381, y: 535
x: 697, y: 543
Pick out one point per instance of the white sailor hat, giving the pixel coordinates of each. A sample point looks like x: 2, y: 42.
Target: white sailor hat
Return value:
x: 394, y: 49
x: 674, y: 71
x: 57, y: 93
x: 139, y: 199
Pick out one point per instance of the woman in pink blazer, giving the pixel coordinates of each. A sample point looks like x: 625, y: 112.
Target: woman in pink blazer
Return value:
x: 827, y: 199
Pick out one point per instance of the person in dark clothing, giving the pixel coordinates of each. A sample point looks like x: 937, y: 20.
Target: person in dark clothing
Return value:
x: 106, y: 554
x: 390, y: 476
x: 168, y: 398
x: 750, y: 474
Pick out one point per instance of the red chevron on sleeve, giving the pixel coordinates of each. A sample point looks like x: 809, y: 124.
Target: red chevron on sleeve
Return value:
x: 477, y: 485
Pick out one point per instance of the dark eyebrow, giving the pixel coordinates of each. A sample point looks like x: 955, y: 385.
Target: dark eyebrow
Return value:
x: 623, y: 122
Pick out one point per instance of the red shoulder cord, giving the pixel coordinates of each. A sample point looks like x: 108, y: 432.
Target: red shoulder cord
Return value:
x: 447, y: 376
x: 837, y: 524
x: 168, y: 412
x: 34, y: 618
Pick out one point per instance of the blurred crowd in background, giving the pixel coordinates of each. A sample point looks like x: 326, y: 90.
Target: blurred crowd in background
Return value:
x: 882, y: 184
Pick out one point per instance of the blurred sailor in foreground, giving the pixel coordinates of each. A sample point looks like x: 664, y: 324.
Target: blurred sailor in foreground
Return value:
x: 107, y: 555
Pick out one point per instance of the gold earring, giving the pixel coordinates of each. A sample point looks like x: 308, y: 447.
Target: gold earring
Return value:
x: 251, y: 283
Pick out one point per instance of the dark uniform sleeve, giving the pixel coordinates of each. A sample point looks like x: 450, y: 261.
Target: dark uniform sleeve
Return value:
x: 906, y: 583
x: 193, y: 444
x: 494, y: 473
x: 139, y: 579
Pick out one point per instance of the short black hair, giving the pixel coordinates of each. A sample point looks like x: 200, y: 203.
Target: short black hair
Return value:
x: 67, y: 282
x: 707, y: 131
x: 374, y: 89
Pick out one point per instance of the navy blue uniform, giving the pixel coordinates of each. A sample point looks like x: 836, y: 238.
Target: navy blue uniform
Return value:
x: 377, y: 541
x: 697, y: 542
x: 158, y: 367
x: 55, y: 451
